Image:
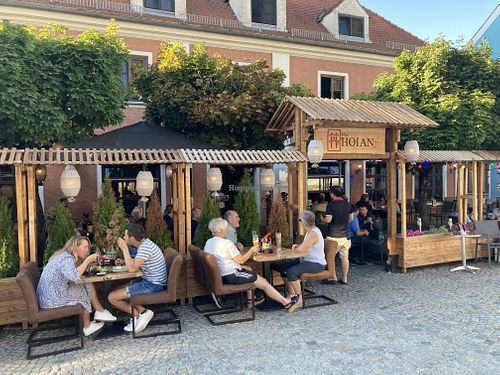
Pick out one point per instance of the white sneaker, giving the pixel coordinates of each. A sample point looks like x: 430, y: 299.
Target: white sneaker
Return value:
x: 128, y: 327
x: 104, y: 316
x: 92, y: 328
x: 143, y: 320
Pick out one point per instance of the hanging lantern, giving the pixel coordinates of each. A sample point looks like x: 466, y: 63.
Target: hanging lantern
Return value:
x: 214, y: 179
x: 40, y: 174
x: 412, y: 151
x: 168, y: 171
x: 267, y: 179
x: 70, y: 182
x: 315, y: 152
x: 144, y: 184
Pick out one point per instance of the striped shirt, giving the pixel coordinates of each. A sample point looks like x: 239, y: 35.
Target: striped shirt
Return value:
x: 154, y: 268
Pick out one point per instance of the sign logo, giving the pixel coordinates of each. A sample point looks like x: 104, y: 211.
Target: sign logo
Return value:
x: 350, y: 141
x: 334, y: 140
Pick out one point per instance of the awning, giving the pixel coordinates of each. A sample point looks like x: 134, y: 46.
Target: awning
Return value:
x: 443, y: 156
x: 241, y: 157
x: 349, y: 113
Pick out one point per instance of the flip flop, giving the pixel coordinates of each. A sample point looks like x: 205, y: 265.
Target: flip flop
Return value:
x: 340, y: 281
x: 330, y: 282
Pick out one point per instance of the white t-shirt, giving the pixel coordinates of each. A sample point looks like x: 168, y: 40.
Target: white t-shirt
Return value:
x: 224, y: 251
x: 317, y: 251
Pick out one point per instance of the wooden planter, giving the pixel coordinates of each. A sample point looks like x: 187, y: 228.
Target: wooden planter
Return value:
x: 12, y: 306
x: 431, y: 249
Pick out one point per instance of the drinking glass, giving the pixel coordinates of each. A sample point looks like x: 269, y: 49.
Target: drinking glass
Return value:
x: 255, y: 238
x: 278, y: 242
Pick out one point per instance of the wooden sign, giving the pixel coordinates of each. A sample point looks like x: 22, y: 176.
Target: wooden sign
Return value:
x: 351, y: 142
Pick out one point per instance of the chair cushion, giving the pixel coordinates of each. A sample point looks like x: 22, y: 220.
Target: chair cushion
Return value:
x: 315, y: 276
x: 45, y: 315
x: 152, y: 298
x: 235, y: 288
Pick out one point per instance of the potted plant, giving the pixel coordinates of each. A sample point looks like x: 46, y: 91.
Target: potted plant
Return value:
x: 9, y: 257
x: 209, y: 211
x: 246, y: 206
x: 156, y: 228
x: 60, y: 231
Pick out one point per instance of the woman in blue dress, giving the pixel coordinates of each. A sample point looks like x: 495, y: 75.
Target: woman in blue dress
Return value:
x: 57, y: 287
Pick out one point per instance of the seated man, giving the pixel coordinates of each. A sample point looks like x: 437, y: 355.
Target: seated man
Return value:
x: 233, y: 219
x: 149, y: 259
x: 357, y: 235
x: 367, y: 222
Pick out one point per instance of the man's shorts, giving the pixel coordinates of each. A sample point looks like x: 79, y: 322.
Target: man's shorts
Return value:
x: 241, y: 276
x: 143, y: 286
x: 343, y: 246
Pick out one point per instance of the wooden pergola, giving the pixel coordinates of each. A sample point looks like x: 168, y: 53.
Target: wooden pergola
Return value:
x: 350, y: 130
x: 25, y: 161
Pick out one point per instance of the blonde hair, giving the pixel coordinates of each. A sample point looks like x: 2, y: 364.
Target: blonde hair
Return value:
x: 71, y: 245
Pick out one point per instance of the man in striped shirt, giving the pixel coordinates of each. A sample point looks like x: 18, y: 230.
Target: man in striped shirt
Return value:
x: 150, y: 261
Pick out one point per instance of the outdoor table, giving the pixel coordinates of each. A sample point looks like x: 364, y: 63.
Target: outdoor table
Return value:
x: 266, y: 260
x: 111, y: 328
x: 464, y: 266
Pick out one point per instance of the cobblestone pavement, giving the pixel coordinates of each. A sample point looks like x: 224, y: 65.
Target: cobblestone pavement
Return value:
x: 426, y: 321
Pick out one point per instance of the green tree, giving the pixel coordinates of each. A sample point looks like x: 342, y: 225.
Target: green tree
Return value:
x: 246, y: 206
x: 9, y: 256
x: 455, y: 85
x: 212, y: 99
x: 209, y: 211
x: 108, y: 217
x: 60, y: 232
x: 277, y: 219
x: 156, y: 228
x: 57, y: 87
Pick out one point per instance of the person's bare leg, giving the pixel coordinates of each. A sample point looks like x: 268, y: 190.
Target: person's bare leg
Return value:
x: 295, y: 285
x: 288, y: 286
x: 263, y: 284
x: 345, y: 268
x: 119, y: 299
x: 86, y: 319
x: 96, y: 304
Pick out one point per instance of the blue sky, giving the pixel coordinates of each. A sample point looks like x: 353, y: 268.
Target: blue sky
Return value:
x: 427, y: 18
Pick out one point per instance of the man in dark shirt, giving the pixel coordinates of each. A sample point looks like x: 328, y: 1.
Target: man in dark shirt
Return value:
x: 367, y: 222
x: 338, y: 215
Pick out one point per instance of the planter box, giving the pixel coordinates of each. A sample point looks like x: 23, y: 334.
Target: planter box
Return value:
x: 431, y: 249
x: 12, y: 306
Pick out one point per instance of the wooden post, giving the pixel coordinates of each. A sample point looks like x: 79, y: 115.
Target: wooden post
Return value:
x: 480, y: 189
x: 301, y: 190
x: 474, y: 191
x: 22, y: 244
x: 459, y: 193
x: 402, y: 183
x: 392, y: 191
x: 290, y: 199
x: 175, y: 203
x: 32, y: 230
x: 465, y: 207
x: 181, y: 193
x: 188, y: 205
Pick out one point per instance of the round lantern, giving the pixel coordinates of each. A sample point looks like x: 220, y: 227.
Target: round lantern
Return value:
x: 70, y: 182
x: 315, y: 152
x: 412, y: 151
x: 267, y: 179
x: 168, y: 171
x: 144, y: 184
x: 40, y: 174
x: 214, y: 179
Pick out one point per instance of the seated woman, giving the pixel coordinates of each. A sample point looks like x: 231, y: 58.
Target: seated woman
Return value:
x: 313, y: 262
x: 56, y: 287
x: 230, y: 260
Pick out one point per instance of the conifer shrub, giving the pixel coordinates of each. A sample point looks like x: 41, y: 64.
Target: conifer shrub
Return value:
x: 246, y: 207
x: 156, y: 228
x: 209, y: 211
x: 9, y: 255
x: 60, y: 232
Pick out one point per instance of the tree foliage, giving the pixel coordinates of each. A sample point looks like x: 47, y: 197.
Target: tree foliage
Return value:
x: 211, y: 98
x: 57, y: 87
x: 9, y: 256
x: 156, y: 228
x: 246, y: 206
x: 209, y: 211
x: 108, y: 217
x: 457, y: 86
x: 277, y: 219
x: 60, y: 232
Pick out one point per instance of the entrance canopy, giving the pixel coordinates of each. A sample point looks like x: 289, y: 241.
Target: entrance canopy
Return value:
x: 350, y: 113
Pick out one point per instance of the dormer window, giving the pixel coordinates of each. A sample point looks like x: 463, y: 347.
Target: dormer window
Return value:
x: 264, y: 11
x: 351, y: 26
x: 167, y: 5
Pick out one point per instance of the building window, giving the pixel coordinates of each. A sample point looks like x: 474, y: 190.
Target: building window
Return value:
x: 351, y: 26
x: 123, y: 182
x: 131, y: 67
x: 332, y: 87
x: 168, y: 5
x: 264, y: 11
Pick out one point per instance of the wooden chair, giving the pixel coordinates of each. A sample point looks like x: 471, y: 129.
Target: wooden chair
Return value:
x: 330, y: 252
x: 174, y: 263
x: 27, y: 280
x: 488, y: 229
x: 215, y: 285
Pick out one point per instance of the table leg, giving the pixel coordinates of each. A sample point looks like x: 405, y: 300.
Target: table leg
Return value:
x: 464, y: 266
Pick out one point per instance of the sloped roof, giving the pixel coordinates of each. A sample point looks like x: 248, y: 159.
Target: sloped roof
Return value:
x: 144, y: 135
x: 218, y: 16
x: 356, y: 113
x: 443, y: 156
x: 242, y: 156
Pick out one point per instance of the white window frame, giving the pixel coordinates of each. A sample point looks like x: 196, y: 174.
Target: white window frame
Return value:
x: 149, y: 56
x: 345, y: 86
